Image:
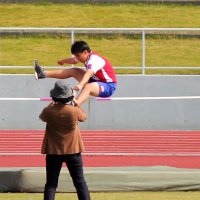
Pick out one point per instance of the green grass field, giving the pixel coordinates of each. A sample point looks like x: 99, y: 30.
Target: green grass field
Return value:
x: 103, y: 15
x: 120, y: 50
x: 109, y: 196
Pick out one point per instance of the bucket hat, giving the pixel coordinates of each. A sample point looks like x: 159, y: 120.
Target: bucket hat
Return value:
x: 61, y: 90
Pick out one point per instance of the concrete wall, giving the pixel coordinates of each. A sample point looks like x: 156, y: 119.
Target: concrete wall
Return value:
x: 115, y: 115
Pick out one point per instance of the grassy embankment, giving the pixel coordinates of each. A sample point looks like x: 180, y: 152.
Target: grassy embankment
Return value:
x: 120, y: 50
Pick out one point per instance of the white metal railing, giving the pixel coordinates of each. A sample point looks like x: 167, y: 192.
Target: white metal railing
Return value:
x: 72, y: 32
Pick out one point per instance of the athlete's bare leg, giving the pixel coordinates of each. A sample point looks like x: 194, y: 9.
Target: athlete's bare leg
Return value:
x: 76, y: 73
x: 89, y: 89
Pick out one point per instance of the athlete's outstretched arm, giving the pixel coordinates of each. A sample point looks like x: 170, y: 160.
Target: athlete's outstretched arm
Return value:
x: 85, y: 79
x: 68, y: 61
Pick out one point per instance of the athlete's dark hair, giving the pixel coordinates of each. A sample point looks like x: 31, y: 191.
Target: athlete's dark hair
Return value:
x: 79, y: 47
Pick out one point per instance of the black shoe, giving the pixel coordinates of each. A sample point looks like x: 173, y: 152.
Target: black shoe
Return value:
x: 39, y: 72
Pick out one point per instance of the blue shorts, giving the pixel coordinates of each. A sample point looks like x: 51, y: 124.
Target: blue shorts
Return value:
x: 105, y: 89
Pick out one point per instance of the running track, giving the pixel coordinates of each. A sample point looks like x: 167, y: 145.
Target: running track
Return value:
x: 21, y: 148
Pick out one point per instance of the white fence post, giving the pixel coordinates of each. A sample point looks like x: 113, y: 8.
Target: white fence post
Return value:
x: 143, y: 52
x: 72, y: 37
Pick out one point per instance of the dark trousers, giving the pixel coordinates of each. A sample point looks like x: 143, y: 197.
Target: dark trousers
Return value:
x: 75, y: 167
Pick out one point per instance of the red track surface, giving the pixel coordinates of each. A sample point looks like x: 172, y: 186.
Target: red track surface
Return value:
x: 108, y: 148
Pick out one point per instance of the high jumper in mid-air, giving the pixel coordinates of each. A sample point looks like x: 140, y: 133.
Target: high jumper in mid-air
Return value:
x: 98, y: 80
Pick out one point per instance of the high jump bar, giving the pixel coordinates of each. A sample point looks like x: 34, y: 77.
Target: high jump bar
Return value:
x: 106, y: 99
x: 148, y: 98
